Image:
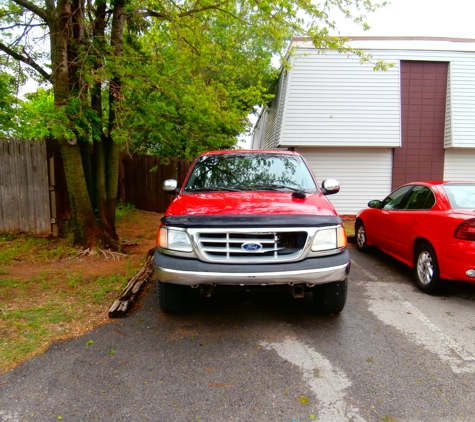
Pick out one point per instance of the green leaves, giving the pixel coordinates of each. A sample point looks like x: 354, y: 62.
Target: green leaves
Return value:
x: 39, y: 118
x: 189, y: 72
x: 8, y: 103
x: 200, y: 84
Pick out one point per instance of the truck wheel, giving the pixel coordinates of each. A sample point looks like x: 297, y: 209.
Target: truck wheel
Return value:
x: 426, y: 270
x: 330, y: 298
x: 173, y: 298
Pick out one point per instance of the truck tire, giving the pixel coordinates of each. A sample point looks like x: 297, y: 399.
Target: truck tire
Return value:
x: 330, y: 298
x: 173, y: 298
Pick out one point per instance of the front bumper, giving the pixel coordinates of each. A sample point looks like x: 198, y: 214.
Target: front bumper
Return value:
x: 192, y: 272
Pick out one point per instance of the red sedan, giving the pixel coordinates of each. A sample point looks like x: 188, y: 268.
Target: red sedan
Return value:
x: 429, y: 226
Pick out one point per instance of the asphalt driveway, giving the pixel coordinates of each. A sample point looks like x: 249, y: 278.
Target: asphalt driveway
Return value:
x: 394, y: 354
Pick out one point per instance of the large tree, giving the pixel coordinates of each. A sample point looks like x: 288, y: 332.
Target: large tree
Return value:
x: 145, y: 73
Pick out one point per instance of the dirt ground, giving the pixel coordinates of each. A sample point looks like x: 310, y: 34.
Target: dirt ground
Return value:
x: 137, y: 230
x: 51, y: 293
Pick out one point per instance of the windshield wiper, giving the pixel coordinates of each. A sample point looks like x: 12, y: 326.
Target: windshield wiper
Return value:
x: 274, y: 186
x: 297, y: 193
x: 212, y: 189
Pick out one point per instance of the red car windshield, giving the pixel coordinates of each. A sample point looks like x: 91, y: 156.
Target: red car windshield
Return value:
x: 257, y: 171
x: 461, y: 196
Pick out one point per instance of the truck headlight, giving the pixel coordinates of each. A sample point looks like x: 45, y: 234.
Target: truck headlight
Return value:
x: 331, y: 238
x: 176, y: 240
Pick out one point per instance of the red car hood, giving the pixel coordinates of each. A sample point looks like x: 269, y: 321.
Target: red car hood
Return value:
x: 255, y: 203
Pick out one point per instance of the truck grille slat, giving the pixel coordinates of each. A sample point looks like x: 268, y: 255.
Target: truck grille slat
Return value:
x: 269, y: 246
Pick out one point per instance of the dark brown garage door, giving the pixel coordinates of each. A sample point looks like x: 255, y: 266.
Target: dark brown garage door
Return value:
x: 423, y: 95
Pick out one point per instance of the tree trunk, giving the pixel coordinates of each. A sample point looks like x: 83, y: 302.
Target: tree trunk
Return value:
x: 110, y: 148
x: 87, y: 230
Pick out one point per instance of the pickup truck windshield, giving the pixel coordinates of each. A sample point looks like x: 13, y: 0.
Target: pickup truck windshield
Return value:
x: 264, y: 171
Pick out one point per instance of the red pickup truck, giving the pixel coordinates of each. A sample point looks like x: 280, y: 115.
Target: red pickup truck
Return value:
x: 247, y: 218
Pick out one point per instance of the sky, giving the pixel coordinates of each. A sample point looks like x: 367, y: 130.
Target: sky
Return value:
x: 425, y: 18
x: 431, y: 18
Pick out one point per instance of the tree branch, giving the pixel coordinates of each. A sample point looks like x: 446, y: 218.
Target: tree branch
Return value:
x: 49, y: 7
x: 16, y: 25
x: 154, y: 14
x: 34, y: 9
x: 26, y: 30
x: 28, y: 60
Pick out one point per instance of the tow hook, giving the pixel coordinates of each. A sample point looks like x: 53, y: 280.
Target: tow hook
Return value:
x: 206, y: 290
x: 297, y: 290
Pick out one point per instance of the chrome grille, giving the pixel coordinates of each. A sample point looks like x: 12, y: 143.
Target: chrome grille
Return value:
x: 269, y: 246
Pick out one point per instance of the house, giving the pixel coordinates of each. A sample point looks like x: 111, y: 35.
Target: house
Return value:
x: 374, y: 130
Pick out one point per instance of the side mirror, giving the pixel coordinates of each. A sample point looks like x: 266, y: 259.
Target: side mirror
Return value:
x: 170, y: 186
x: 330, y: 186
x: 375, y: 203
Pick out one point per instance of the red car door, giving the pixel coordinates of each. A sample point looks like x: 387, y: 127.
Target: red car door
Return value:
x: 405, y: 224
x: 385, y: 217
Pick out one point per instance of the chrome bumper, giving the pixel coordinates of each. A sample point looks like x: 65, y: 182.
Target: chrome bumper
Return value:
x: 310, y: 277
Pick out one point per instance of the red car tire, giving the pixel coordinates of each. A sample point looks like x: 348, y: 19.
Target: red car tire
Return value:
x: 426, y: 269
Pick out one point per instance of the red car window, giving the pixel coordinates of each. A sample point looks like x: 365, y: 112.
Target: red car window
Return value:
x: 461, y: 196
x: 422, y: 198
x: 397, y: 199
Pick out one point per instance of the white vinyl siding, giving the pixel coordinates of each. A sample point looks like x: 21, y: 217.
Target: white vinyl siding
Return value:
x: 364, y: 174
x: 284, y: 77
x: 459, y: 164
x: 333, y: 100
x: 273, y: 121
x: 268, y: 136
x: 462, y: 90
x: 258, y: 132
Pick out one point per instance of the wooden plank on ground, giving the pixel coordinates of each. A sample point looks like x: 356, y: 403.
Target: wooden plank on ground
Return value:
x: 120, y: 307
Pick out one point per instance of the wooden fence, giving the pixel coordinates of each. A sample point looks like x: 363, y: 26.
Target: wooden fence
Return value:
x: 33, y: 192
x: 24, y: 188
x: 141, y: 178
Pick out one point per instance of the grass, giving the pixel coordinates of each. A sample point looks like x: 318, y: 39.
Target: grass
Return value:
x: 39, y: 310
x: 349, y: 227
x: 42, y: 302
x: 14, y: 249
x: 124, y: 210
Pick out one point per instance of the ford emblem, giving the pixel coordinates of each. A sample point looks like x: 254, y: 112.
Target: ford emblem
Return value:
x: 251, y: 247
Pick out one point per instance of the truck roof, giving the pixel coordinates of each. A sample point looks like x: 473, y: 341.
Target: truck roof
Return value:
x: 252, y: 151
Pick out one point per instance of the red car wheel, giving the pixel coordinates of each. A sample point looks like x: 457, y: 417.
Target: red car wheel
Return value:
x: 426, y: 269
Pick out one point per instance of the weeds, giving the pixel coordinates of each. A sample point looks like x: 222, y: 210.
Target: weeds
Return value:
x: 41, y: 309
x: 22, y: 247
x: 124, y: 210
x: 74, y: 280
x: 105, y: 286
x: 58, y: 253
x: 349, y: 227
x: 42, y: 302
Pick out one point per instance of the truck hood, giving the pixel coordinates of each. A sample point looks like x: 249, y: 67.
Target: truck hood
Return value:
x: 251, y: 203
